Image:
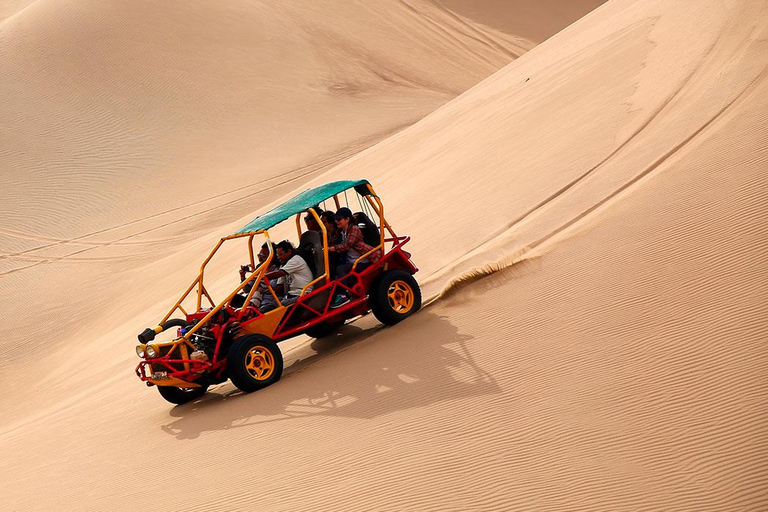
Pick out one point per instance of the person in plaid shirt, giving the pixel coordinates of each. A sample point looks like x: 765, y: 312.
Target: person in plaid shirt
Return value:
x: 353, y: 246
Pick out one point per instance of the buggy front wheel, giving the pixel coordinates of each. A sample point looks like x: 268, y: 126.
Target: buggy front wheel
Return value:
x: 394, y: 296
x: 254, y: 362
x: 181, y: 396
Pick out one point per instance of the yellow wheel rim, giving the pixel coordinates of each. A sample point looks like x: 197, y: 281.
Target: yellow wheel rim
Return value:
x: 400, y: 295
x: 260, y: 363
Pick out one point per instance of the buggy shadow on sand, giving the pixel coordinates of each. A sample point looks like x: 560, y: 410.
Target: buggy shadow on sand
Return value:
x: 233, y: 340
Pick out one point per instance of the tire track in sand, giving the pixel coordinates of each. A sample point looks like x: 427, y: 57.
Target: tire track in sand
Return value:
x: 745, y: 93
x: 520, y: 255
x: 312, y: 169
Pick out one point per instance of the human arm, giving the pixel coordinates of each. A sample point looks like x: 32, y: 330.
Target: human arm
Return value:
x: 275, y: 274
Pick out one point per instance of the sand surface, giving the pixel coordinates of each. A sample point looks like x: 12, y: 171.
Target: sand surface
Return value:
x: 135, y: 129
x: 589, y: 220
x: 533, y: 19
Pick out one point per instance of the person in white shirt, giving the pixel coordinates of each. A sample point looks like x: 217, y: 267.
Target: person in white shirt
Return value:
x: 293, y: 276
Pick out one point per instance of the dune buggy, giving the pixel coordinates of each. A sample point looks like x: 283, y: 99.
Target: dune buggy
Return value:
x: 233, y: 339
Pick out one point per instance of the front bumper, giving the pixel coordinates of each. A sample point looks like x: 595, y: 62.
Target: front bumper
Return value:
x: 171, y: 372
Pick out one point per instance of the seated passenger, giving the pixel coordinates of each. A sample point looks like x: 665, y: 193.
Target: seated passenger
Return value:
x: 239, y: 299
x: 334, y: 233
x: 334, y: 238
x: 292, y: 277
x: 310, y: 220
x: 354, y: 247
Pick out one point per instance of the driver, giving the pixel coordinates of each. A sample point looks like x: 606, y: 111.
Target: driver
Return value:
x: 239, y: 299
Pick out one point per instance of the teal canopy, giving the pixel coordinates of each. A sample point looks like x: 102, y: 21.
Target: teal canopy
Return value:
x: 302, y: 202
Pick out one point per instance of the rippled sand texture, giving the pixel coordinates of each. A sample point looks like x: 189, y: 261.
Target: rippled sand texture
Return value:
x: 589, y: 221
x: 133, y: 127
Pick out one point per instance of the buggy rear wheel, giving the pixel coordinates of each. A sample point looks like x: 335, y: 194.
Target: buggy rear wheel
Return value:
x: 181, y: 396
x: 254, y: 362
x: 394, y: 296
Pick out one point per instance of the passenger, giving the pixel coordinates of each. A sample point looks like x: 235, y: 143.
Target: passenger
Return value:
x: 292, y: 277
x: 310, y: 220
x: 239, y: 299
x: 334, y: 233
x: 354, y: 247
x: 334, y: 238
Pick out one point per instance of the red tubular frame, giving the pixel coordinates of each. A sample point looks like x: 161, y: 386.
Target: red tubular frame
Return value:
x: 394, y: 258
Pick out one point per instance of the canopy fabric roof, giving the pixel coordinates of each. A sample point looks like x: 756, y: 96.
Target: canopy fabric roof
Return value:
x: 300, y: 203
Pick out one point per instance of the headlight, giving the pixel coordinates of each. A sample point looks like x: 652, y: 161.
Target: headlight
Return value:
x: 151, y: 351
x: 140, y: 351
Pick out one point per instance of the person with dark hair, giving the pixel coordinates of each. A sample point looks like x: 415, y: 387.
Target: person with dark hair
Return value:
x: 310, y: 220
x: 334, y: 238
x: 334, y: 233
x: 274, y: 265
x: 292, y: 276
x: 262, y: 256
x: 239, y: 300
x: 353, y: 246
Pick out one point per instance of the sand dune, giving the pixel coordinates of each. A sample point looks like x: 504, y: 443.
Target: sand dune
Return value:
x: 590, y: 226
x: 559, y: 145
x: 115, y: 94
x: 10, y: 7
x: 119, y: 115
x: 536, y: 20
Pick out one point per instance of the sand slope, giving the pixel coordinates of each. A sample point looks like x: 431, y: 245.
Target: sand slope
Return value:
x: 609, y: 185
x: 10, y: 7
x: 536, y: 20
x: 131, y: 129
x: 111, y: 92
x: 598, y: 107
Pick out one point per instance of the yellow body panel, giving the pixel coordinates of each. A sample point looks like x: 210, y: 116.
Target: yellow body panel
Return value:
x: 267, y: 325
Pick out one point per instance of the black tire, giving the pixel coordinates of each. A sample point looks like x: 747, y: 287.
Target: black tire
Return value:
x: 254, y: 362
x: 394, y: 296
x: 323, y: 329
x: 181, y: 396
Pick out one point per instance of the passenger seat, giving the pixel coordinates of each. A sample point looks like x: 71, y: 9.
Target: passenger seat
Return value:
x: 311, y: 249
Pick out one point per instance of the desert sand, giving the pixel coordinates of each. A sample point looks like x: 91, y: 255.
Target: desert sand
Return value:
x: 588, y: 213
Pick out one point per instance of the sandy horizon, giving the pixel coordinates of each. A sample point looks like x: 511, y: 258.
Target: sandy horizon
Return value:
x: 584, y: 185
